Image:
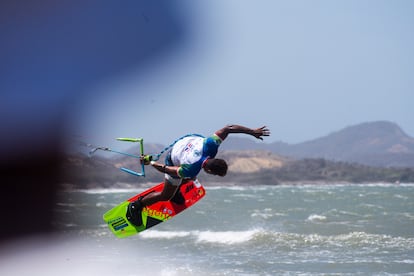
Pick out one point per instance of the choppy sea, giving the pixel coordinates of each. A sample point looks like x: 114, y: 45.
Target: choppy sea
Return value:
x: 255, y: 230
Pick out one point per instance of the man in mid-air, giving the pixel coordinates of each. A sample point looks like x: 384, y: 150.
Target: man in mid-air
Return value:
x: 185, y: 160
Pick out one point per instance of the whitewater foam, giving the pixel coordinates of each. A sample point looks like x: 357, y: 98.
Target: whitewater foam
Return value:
x: 217, y: 237
x: 316, y: 218
x: 155, y: 234
x: 226, y: 237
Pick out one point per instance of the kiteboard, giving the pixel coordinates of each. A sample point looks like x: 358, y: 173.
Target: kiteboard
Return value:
x: 189, y: 193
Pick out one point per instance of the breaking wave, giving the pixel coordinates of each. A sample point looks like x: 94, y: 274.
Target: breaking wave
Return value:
x: 262, y: 236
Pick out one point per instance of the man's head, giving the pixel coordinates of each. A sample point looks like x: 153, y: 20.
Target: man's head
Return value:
x: 216, y: 167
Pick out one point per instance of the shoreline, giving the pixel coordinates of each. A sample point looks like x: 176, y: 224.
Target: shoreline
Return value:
x: 127, y: 187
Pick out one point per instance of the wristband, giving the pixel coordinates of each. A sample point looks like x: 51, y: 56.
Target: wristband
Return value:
x: 152, y: 162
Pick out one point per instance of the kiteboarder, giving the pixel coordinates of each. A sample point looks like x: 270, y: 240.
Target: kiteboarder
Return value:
x: 184, y: 161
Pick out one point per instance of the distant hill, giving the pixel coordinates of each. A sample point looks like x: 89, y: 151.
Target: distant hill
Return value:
x: 369, y: 152
x: 379, y: 143
x: 245, y: 168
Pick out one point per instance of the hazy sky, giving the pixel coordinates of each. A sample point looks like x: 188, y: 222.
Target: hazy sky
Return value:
x: 303, y: 68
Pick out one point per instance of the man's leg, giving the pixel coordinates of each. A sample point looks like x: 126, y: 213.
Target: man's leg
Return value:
x: 135, y: 208
x: 166, y: 194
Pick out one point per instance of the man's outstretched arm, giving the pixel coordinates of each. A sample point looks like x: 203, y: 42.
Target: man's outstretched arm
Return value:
x: 256, y: 132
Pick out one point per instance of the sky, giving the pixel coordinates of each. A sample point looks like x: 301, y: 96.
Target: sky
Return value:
x: 302, y: 68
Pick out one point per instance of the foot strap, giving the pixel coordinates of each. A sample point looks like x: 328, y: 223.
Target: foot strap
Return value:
x: 134, y: 214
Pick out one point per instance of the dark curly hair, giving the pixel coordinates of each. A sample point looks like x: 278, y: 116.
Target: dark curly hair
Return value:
x: 217, y: 166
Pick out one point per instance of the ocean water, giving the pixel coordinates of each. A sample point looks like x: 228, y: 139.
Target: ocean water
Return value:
x: 256, y: 230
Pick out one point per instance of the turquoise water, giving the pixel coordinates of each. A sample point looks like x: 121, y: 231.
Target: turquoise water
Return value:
x: 257, y: 230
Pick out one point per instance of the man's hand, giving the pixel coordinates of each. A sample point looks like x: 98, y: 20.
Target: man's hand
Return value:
x: 256, y: 132
x: 260, y: 132
x: 145, y: 159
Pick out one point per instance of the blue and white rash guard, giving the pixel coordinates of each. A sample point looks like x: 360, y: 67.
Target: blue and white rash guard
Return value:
x: 190, y: 152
